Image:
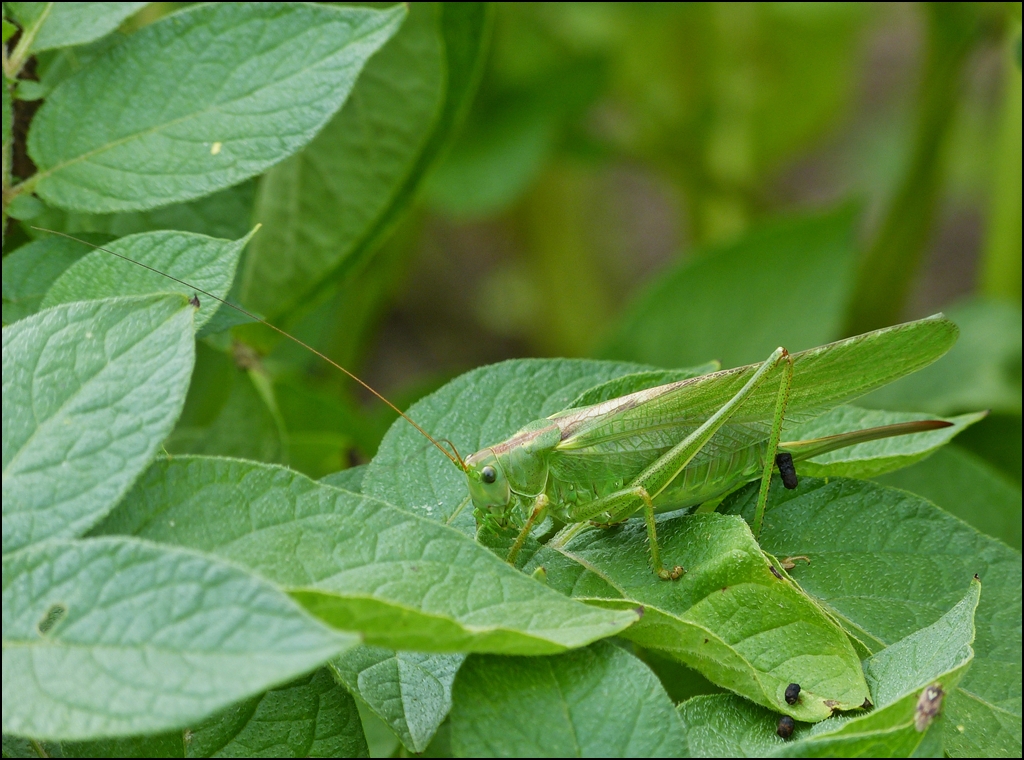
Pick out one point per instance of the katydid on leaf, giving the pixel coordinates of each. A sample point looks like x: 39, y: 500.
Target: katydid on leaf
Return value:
x: 684, y: 443
x: 674, y: 445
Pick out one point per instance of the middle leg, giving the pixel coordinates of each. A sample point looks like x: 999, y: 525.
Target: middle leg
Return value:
x: 619, y: 506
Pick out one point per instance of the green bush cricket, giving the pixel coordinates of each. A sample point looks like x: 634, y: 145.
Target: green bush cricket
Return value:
x: 674, y: 445
x: 684, y: 443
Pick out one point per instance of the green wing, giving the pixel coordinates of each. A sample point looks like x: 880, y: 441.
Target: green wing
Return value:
x: 631, y: 429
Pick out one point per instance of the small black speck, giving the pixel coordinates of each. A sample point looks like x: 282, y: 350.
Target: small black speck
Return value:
x: 775, y: 572
x: 867, y: 704
x: 785, y: 727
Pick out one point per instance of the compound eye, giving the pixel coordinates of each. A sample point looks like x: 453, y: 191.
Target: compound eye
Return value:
x: 488, y: 474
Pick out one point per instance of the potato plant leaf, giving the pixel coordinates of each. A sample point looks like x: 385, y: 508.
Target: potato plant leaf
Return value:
x: 207, y: 263
x: 702, y: 619
x: 117, y: 636
x: 224, y: 214
x: 90, y: 390
x: 322, y: 208
x: 887, y: 563
x: 410, y: 691
x: 313, y: 716
x: 403, y: 581
x: 595, y: 702
x: 350, y: 479
x: 730, y: 303
x: 30, y: 270
x: 724, y: 725
x: 218, y: 93
x: 964, y: 484
x: 981, y: 372
x: 64, y: 24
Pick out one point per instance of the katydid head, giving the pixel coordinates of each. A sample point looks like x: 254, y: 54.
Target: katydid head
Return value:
x: 488, y: 485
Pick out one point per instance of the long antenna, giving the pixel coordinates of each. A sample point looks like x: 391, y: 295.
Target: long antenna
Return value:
x: 456, y: 459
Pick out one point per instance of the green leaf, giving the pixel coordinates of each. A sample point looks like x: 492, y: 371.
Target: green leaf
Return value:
x: 784, y: 284
x: 225, y: 413
x: 225, y: 214
x: 967, y: 486
x: 887, y: 563
x: 348, y: 480
x: 494, y: 162
x: 724, y: 725
x: 311, y: 717
x: 474, y: 410
x: 28, y: 89
x: 700, y: 620
x: 169, y: 744
x: 31, y: 269
x: 227, y: 90
x: 64, y: 24
x: 410, y: 691
x: 866, y: 460
x: 380, y: 739
x: 90, y: 390
x: 8, y: 31
x: 595, y: 702
x: 998, y: 440
x: 323, y: 209
x: 360, y: 564
x: 117, y: 636
x: 25, y: 207
x: 207, y: 263
x: 982, y: 371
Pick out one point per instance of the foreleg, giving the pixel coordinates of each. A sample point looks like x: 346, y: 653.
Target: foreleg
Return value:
x: 539, y: 505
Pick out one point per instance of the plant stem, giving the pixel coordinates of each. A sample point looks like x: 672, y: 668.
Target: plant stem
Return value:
x: 13, y: 65
x: 1001, y: 266
x: 888, y: 269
